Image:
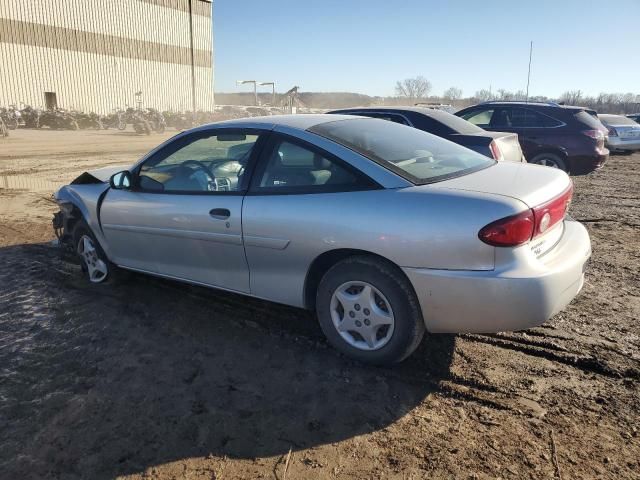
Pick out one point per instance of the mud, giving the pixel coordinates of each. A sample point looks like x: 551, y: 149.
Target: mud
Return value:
x: 145, y: 378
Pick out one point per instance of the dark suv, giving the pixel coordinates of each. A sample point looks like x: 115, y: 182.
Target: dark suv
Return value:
x: 570, y: 138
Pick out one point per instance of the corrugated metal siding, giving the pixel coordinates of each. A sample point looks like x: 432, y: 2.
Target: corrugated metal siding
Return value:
x: 96, y: 55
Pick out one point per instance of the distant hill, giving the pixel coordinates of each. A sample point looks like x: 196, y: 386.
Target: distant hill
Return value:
x: 320, y: 99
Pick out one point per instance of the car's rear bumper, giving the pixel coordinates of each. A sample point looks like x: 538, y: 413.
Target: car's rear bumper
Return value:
x: 583, y: 164
x: 615, y: 143
x: 525, y: 294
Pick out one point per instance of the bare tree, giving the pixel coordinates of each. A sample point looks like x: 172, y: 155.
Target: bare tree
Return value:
x: 413, y: 88
x: 571, y: 97
x: 483, y: 95
x: 453, y: 93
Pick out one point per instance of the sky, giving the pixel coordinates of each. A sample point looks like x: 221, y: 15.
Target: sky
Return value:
x: 365, y: 46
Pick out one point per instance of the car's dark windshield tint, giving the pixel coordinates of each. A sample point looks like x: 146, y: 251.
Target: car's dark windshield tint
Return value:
x: 457, y: 124
x: 411, y: 153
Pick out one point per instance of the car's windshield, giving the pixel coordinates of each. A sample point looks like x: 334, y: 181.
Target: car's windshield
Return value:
x: 459, y: 125
x: 616, y: 120
x: 411, y: 153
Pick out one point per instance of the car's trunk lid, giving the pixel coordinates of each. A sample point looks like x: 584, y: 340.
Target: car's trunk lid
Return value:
x: 628, y: 132
x: 535, y: 186
x: 508, y: 144
x: 532, y: 184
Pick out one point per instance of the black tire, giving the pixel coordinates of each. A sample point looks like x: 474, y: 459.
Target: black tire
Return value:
x: 390, y: 281
x: 550, y: 160
x: 79, y: 231
x: 12, y: 124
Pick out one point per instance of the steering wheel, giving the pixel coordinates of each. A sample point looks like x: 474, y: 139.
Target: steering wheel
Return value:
x: 211, y: 182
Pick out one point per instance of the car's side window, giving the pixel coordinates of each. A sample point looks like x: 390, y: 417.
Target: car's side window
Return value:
x: 199, y: 163
x: 525, y: 118
x: 481, y: 118
x: 516, y: 117
x: 293, y: 167
x: 502, y: 118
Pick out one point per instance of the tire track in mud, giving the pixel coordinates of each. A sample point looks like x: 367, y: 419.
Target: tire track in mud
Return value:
x: 556, y: 353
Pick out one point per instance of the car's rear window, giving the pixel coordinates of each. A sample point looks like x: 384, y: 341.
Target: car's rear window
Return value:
x: 589, y: 120
x: 616, y: 120
x: 459, y: 125
x: 411, y: 153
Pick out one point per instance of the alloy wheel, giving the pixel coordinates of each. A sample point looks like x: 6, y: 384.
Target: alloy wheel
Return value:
x: 96, y: 268
x: 362, y: 315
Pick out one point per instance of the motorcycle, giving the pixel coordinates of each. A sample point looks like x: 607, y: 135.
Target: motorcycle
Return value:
x: 177, y: 120
x: 155, y: 119
x: 31, y: 117
x: 9, y: 118
x: 117, y: 119
x: 57, y: 119
x: 4, y: 131
x: 88, y: 120
x: 140, y: 124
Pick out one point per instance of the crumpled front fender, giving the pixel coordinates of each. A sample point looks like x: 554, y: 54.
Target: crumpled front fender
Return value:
x: 86, y: 199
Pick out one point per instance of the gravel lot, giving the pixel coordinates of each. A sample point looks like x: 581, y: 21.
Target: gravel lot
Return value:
x: 147, y: 378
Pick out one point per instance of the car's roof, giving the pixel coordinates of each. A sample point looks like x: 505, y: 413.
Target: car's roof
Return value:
x: 300, y: 121
x: 382, y: 108
x: 531, y: 104
x: 430, y: 112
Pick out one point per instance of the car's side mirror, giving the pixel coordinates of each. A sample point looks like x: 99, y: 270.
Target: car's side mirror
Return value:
x: 121, y: 180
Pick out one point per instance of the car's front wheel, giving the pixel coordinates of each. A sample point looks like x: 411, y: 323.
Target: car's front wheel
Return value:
x: 93, y: 260
x: 369, y: 311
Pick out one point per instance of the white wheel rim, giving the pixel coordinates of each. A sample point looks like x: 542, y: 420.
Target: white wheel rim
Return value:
x: 548, y: 162
x: 362, y: 315
x: 96, y: 268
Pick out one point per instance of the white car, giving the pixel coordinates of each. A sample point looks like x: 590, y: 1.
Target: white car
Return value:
x: 624, y: 133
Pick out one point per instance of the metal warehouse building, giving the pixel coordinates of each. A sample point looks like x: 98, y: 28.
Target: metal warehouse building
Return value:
x: 97, y: 55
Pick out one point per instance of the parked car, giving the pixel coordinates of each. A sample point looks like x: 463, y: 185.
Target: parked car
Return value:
x: 623, y: 133
x: 383, y: 229
x: 569, y: 138
x: 635, y: 117
x: 497, y: 145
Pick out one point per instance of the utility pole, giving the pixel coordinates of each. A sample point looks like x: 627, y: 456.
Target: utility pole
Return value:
x: 529, y: 74
x: 255, y: 90
x: 193, y: 63
x: 273, y: 91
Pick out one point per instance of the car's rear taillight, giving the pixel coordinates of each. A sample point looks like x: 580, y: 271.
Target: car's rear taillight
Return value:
x: 519, y: 229
x: 612, y: 132
x: 495, y: 150
x: 510, y: 231
x: 595, y: 134
x: 549, y: 214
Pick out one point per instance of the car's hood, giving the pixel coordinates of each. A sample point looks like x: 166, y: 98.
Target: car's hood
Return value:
x: 104, y: 174
x: 532, y: 184
x: 99, y: 175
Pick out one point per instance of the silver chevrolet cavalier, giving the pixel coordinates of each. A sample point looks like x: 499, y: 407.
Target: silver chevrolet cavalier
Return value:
x: 384, y: 230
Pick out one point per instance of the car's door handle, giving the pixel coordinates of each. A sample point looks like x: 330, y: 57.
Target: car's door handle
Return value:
x: 220, y: 213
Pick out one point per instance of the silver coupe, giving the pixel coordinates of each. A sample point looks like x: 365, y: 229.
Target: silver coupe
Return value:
x: 384, y: 230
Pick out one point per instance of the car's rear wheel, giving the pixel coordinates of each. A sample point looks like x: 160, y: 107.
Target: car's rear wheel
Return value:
x: 93, y: 260
x: 368, y: 310
x: 550, y: 160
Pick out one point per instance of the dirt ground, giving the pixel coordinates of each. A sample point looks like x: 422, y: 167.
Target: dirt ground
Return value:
x: 147, y: 378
